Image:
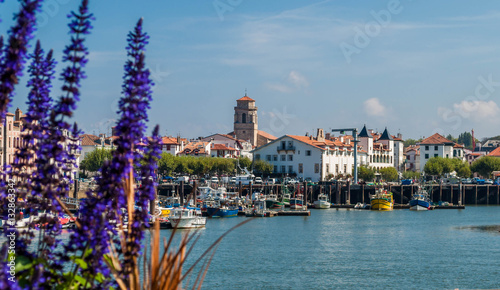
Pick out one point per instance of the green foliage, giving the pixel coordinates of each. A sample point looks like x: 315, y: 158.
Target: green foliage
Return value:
x: 94, y: 160
x: 411, y: 175
x: 409, y: 142
x: 244, y: 162
x: 486, y: 165
x: 366, y: 173
x: 262, y: 167
x: 438, y: 166
x: 389, y: 174
x: 166, y: 164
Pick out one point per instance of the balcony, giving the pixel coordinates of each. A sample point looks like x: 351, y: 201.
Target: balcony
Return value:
x: 286, y: 149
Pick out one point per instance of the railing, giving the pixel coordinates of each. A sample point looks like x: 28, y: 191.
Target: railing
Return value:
x: 289, y: 148
x: 70, y: 200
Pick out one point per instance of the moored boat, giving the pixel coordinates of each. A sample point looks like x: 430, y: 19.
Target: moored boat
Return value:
x: 218, y: 210
x: 296, y: 202
x: 420, y: 201
x: 273, y: 203
x: 187, y: 218
x: 322, y: 202
x: 382, y: 200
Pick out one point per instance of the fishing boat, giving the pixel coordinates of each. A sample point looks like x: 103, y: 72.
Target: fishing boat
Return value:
x: 296, y: 202
x: 219, y: 210
x: 420, y: 201
x: 286, y: 199
x: 187, y: 218
x: 258, y: 210
x: 322, y: 202
x: 273, y: 203
x: 382, y: 200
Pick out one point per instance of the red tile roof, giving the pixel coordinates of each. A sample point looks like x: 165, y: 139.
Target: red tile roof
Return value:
x: 436, y: 139
x: 495, y: 153
x: 266, y: 135
x: 458, y: 146
x: 169, y: 140
x: 246, y: 98
x: 222, y: 147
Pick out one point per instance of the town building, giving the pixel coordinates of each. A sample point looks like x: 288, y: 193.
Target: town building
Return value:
x: 173, y: 145
x: 382, y: 150
x: 412, y: 158
x: 317, y: 158
x: 11, y: 136
x: 241, y: 147
x: 495, y: 153
x: 438, y: 146
x: 196, y: 148
x: 246, y: 123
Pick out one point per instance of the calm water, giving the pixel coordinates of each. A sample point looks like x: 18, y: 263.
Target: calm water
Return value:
x: 356, y: 249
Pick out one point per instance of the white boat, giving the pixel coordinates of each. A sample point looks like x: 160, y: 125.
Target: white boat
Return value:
x: 322, y: 202
x: 187, y: 218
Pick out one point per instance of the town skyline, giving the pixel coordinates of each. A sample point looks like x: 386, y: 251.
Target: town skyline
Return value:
x: 305, y: 65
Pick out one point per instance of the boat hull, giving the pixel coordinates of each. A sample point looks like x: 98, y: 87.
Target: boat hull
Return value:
x: 321, y: 204
x: 219, y: 212
x: 381, y: 204
x: 417, y: 204
x: 189, y: 223
x: 274, y: 204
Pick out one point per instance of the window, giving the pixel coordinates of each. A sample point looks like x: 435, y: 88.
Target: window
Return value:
x: 290, y: 169
x: 275, y: 169
x: 243, y: 118
x: 275, y: 157
x: 290, y: 144
x: 327, y: 168
x: 257, y: 156
x: 290, y: 157
x: 435, y: 148
x: 336, y: 168
x: 301, y: 168
x: 426, y: 156
x: 268, y: 157
x: 447, y: 156
x: 345, y: 168
x: 316, y: 168
x: 283, y: 157
x: 426, y: 147
x: 283, y: 144
x: 168, y: 147
x: 436, y: 155
x: 308, y: 152
x: 283, y: 169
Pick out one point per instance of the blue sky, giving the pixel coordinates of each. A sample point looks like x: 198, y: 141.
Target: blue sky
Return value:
x: 415, y: 67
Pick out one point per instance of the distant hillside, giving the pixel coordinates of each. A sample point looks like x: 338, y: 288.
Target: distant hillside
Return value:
x: 491, y: 138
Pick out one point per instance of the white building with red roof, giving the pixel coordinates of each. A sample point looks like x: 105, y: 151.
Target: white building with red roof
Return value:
x: 413, y: 158
x: 173, y: 145
x: 241, y: 147
x: 438, y: 146
x: 495, y: 153
x: 308, y: 156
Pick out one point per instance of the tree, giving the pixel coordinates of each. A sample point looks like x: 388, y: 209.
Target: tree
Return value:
x: 166, y: 164
x: 262, y: 167
x: 244, y: 162
x: 366, y: 173
x: 486, y: 165
x: 411, y: 175
x: 94, y: 160
x: 409, y: 142
x: 389, y: 173
x: 466, y: 139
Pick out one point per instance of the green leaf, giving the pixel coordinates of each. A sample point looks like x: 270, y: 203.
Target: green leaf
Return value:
x: 22, y: 263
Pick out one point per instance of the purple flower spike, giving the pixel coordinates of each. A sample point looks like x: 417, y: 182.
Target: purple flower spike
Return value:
x: 12, y: 64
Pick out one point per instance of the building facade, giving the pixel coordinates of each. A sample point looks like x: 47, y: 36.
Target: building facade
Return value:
x: 438, y: 146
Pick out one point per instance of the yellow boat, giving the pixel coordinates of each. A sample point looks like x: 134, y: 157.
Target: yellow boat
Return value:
x: 382, y: 200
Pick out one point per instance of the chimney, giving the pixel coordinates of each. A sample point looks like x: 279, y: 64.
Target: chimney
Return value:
x: 400, y: 136
x: 348, y: 141
x: 328, y: 136
x: 321, y: 135
x: 341, y: 139
x: 370, y: 131
x: 19, y: 113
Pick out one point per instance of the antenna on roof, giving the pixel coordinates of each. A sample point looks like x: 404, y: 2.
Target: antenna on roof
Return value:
x: 246, y: 92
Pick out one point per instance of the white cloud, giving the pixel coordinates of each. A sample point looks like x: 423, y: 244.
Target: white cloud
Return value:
x: 297, y: 79
x: 373, y: 107
x: 477, y: 110
x: 279, y: 87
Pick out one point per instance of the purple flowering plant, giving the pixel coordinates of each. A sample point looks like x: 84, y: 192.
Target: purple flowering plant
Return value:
x: 108, y: 241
